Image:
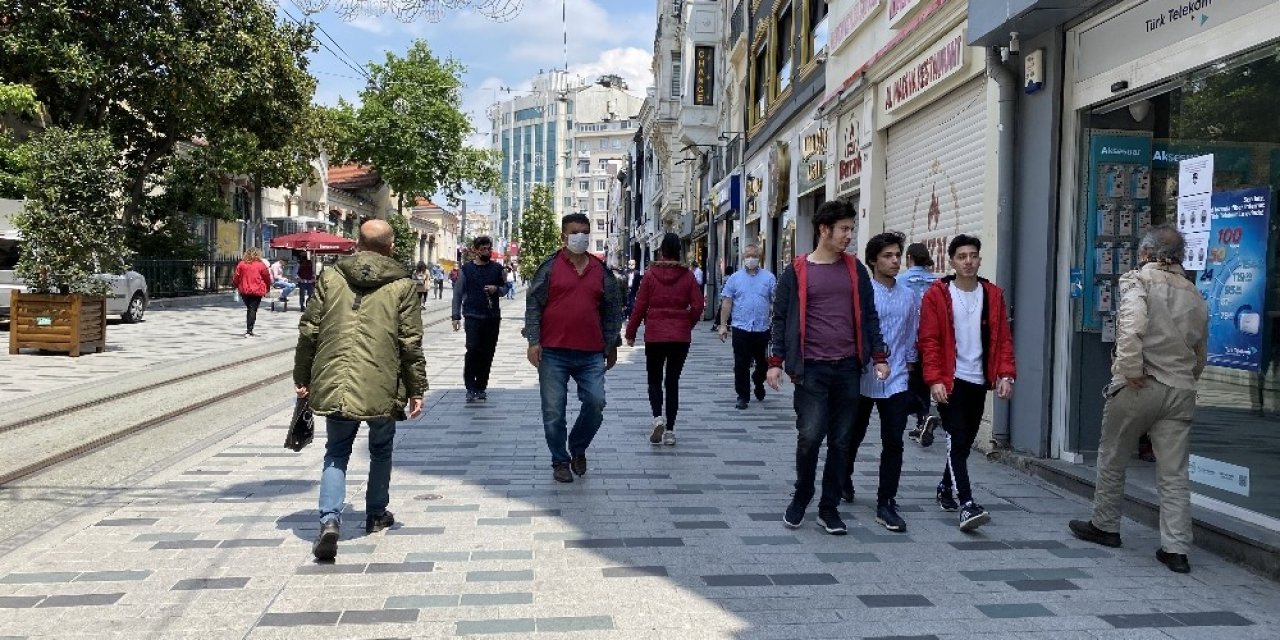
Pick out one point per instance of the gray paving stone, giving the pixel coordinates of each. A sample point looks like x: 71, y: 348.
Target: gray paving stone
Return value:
x: 438, y: 556
x: 499, y: 576
x: 452, y: 508
x: 400, y: 567
x: 887, y: 600
x: 1080, y: 553
x: 1140, y: 620
x: 422, y: 602
x: 701, y: 524
x: 1043, y: 585
x: 1015, y: 610
x: 799, y: 579
x: 198, y: 584
x: 483, y: 627
x: 929, y: 637
x: 1212, y: 619
x: 742, y: 580
x: 573, y: 624
x: 633, y: 572
x: 379, y: 616
x: 833, y: 558
x: 83, y: 600
x: 166, y: 537
x: 300, y: 619
x: 534, y: 513
x: 19, y: 602
x: 329, y: 568
x: 47, y: 577
x: 415, y: 531
x: 495, y: 599
x: 769, y: 540
x: 510, y: 554
x: 185, y: 544
x: 244, y: 543
x: 692, y: 511
x: 113, y: 576
x: 127, y: 522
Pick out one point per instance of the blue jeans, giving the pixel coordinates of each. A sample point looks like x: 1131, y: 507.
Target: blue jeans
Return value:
x: 305, y: 290
x: 285, y: 288
x: 337, y: 452
x: 587, y: 370
x: 826, y: 398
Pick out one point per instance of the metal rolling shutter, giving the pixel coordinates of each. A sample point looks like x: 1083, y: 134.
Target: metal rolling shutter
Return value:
x: 935, y: 170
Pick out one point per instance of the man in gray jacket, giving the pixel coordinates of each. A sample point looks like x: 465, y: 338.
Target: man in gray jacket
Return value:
x: 1161, y: 331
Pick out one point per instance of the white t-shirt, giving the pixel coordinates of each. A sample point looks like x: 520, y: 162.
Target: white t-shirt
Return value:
x: 966, y: 309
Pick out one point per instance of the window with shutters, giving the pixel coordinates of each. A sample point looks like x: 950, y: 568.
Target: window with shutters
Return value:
x: 676, y: 74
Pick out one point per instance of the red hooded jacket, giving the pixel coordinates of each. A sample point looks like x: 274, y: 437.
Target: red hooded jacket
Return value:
x: 937, y: 339
x: 669, y: 302
x: 251, y: 278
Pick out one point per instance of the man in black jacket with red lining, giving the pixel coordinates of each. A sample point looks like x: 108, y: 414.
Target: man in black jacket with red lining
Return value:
x: 822, y: 341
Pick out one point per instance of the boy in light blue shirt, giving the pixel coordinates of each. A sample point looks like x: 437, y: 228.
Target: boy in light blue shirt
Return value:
x: 918, y: 276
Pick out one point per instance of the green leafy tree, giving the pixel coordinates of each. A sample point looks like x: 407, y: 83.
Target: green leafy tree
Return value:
x: 539, y: 231
x: 411, y: 129
x: 16, y: 101
x: 405, y: 241
x: 154, y: 74
x: 70, y: 224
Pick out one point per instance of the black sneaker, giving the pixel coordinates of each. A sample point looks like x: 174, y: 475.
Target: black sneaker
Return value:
x: 1085, y: 530
x: 471, y: 396
x: 832, y: 524
x: 482, y: 396
x: 972, y: 516
x: 847, y: 494
x: 887, y: 515
x: 946, y: 501
x: 1177, y: 562
x: 560, y: 471
x: 926, y: 432
x: 742, y: 404
x: 794, y: 517
x: 579, y: 464
x: 326, y: 546
x: 914, y: 434
x: 760, y: 392
x: 374, y: 524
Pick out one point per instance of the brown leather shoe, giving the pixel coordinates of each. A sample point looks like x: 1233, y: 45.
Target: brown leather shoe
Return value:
x: 579, y: 464
x: 560, y: 471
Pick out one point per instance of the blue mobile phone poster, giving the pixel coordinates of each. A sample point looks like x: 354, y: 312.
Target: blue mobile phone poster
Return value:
x: 1234, y: 280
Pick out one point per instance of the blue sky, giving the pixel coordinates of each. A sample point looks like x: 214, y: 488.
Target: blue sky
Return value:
x: 604, y: 36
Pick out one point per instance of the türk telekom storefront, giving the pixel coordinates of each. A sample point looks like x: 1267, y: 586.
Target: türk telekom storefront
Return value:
x: 1167, y: 114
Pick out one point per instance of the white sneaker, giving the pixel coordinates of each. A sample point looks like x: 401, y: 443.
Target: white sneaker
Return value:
x: 669, y: 438
x: 659, y: 428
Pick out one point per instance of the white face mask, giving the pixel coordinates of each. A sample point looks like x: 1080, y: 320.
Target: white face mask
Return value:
x: 578, y: 242
x: 751, y: 263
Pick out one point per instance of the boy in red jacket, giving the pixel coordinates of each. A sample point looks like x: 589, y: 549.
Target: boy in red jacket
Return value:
x: 966, y: 348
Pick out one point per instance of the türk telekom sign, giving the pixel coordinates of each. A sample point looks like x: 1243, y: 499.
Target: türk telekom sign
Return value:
x: 937, y: 64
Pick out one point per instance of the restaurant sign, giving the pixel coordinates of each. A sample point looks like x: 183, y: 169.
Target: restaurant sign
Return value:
x: 940, y: 62
x: 704, y: 75
x: 848, y: 153
x: 812, y: 171
x: 853, y: 19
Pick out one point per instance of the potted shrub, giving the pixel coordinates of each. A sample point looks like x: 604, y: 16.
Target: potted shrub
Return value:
x: 71, y: 231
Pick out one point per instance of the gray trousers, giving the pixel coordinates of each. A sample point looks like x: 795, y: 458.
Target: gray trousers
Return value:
x: 1164, y: 414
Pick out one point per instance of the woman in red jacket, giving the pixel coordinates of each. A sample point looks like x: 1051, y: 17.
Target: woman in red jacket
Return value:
x: 253, y: 280
x: 669, y: 303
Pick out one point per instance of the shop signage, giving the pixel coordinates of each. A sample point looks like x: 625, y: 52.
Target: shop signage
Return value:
x: 1151, y: 26
x: 780, y: 174
x: 853, y: 19
x: 900, y: 9
x: 813, y: 159
x: 704, y: 75
x: 1166, y: 154
x: 1219, y: 475
x: 939, y: 63
x: 1234, y: 281
x: 848, y: 153
x: 754, y: 191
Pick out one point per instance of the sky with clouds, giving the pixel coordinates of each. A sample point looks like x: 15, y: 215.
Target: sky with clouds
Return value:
x: 605, y: 36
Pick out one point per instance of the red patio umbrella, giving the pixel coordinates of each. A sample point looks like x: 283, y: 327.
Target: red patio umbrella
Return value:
x: 314, y: 241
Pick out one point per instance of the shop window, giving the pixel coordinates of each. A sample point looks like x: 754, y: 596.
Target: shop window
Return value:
x: 785, y: 37
x: 1131, y: 151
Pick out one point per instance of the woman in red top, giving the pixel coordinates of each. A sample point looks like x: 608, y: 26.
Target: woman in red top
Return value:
x: 253, y: 280
x: 669, y: 303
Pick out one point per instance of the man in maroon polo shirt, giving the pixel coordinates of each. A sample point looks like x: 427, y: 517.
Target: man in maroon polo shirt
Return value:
x: 573, y: 322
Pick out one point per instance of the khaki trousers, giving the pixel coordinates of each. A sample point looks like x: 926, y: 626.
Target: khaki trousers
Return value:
x: 1164, y: 414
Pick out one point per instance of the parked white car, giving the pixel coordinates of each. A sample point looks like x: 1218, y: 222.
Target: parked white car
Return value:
x: 128, y: 297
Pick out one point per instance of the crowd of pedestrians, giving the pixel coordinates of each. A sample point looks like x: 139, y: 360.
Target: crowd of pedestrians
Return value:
x: 853, y: 337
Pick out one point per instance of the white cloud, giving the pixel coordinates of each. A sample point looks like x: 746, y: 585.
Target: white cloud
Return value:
x: 370, y: 24
x: 633, y: 64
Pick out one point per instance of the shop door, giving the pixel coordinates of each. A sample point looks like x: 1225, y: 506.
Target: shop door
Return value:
x: 935, y: 171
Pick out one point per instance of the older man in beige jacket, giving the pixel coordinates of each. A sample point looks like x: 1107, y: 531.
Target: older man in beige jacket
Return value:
x: 1161, y: 331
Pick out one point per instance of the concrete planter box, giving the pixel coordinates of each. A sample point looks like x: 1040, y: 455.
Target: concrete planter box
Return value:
x: 71, y: 324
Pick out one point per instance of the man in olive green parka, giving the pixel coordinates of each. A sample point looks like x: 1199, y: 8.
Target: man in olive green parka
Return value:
x: 359, y: 358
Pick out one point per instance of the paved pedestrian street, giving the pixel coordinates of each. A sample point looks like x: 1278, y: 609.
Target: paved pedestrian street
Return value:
x: 654, y: 542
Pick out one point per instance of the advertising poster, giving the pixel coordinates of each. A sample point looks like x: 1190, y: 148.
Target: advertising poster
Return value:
x: 1234, y: 279
x: 1118, y: 205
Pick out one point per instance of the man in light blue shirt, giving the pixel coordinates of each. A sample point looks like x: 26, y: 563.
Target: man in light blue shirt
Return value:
x: 918, y: 276
x: 899, y: 311
x: 745, y: 304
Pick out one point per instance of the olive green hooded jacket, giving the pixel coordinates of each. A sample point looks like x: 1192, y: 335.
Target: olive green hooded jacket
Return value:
x: 360, y: 340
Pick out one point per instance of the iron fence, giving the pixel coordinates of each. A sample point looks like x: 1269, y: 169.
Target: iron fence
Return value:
x: 172, y: 278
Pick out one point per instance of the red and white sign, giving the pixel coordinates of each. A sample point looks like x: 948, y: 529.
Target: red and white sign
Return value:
x: 900, y: 9
x: 853, y: 19
x: 937, y: 64
x: 848, y: 153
